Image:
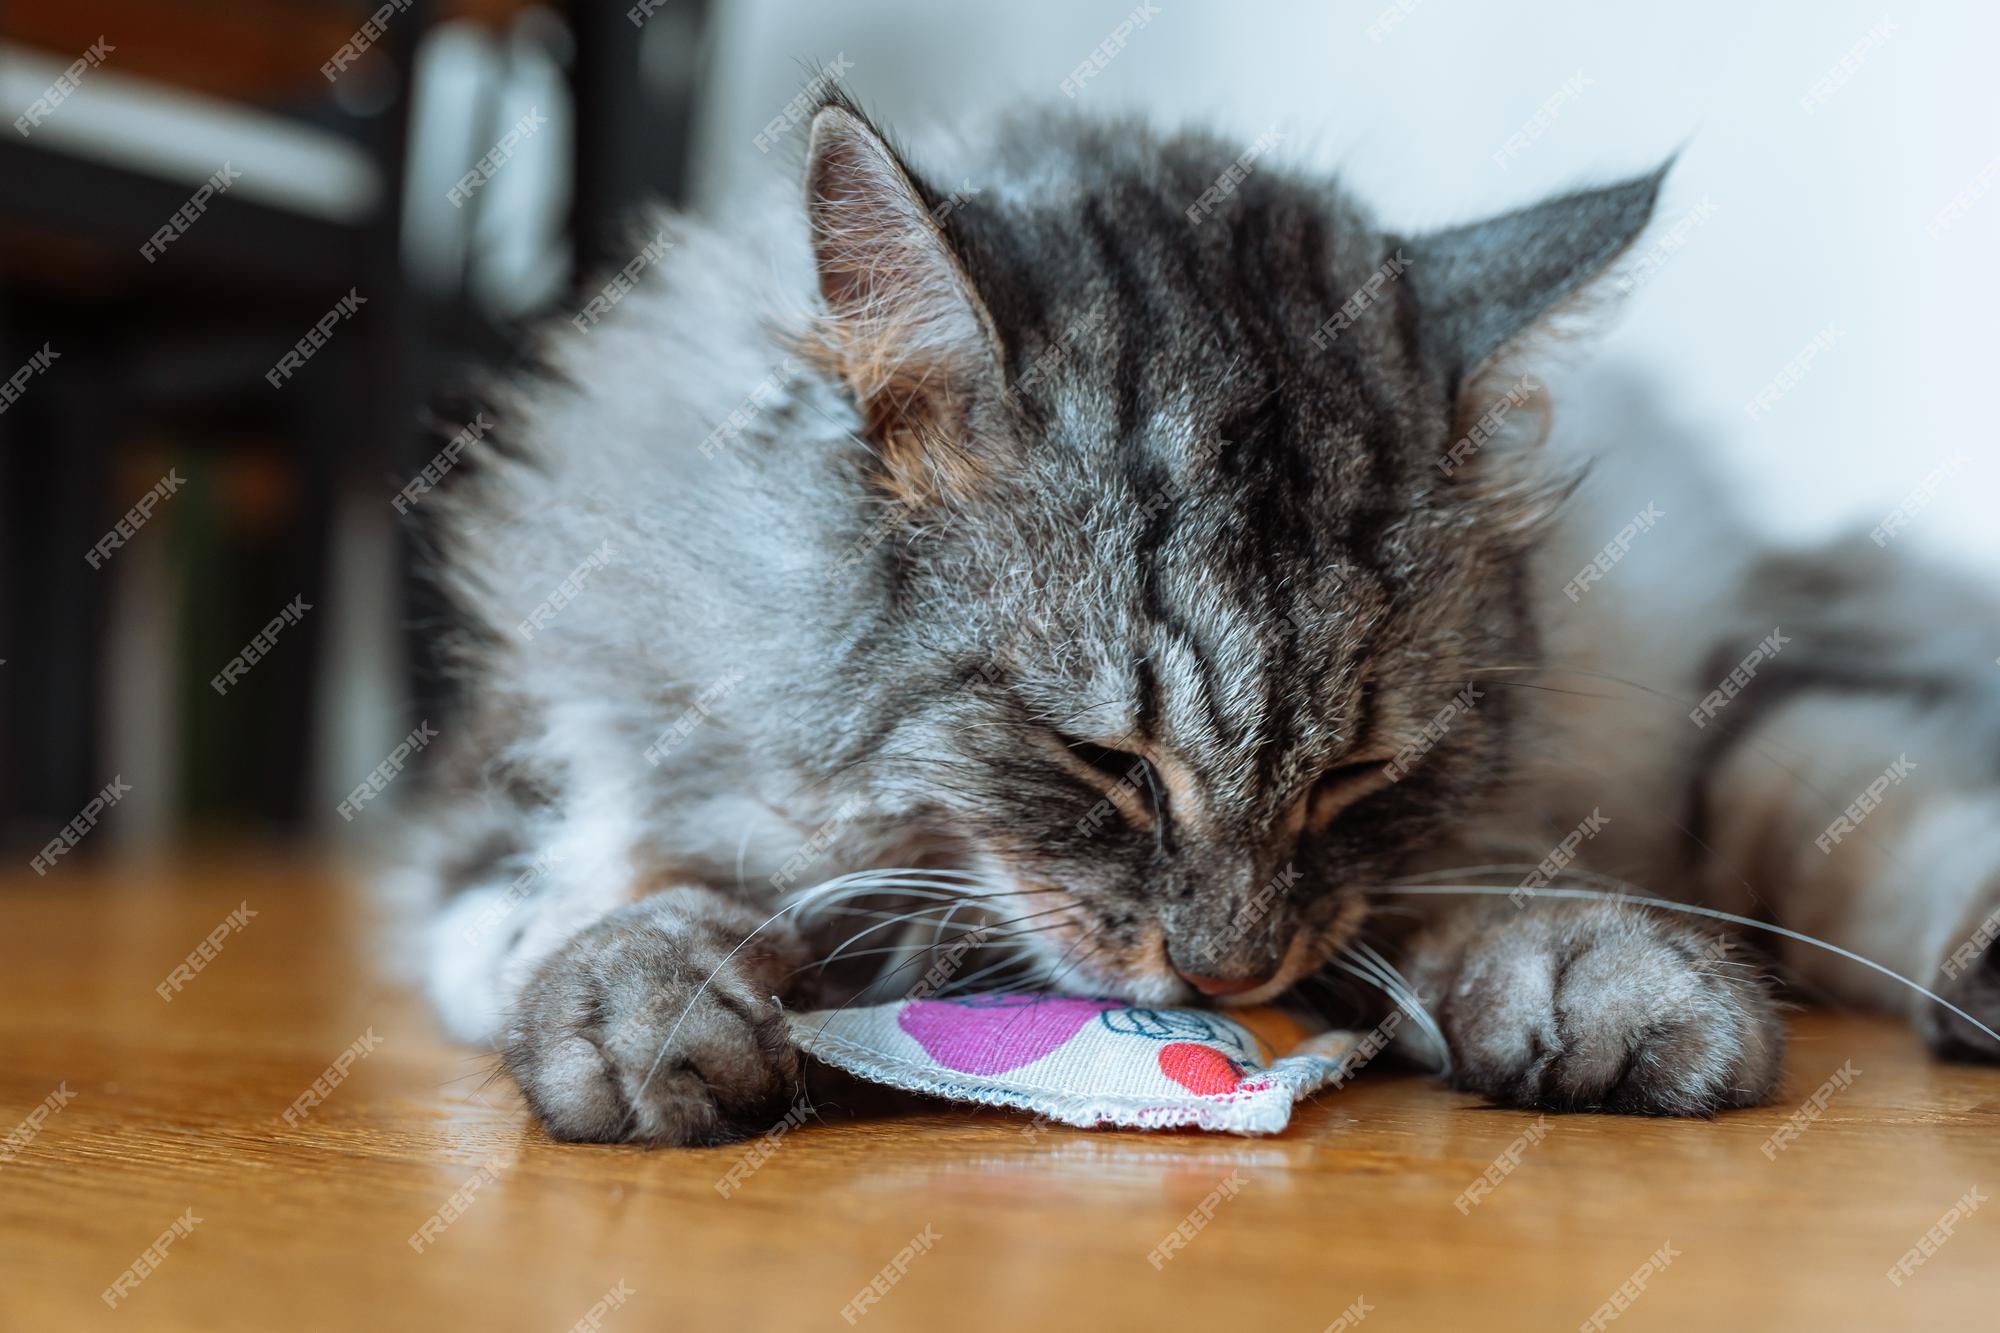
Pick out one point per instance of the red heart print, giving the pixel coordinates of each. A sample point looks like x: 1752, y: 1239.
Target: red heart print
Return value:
x: 1202, y: 1070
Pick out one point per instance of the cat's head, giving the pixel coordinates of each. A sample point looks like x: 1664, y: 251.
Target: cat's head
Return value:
x: 1193, y: 557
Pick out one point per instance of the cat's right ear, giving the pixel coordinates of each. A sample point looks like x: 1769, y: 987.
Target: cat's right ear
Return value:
x: 1486, y: 294
x: 1485, y: 288
x: 905, y: 328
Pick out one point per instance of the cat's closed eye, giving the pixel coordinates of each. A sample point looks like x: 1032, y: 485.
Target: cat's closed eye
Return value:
x: 1365, y: 769
x: 1344, y: 784
x: 1119, y: 766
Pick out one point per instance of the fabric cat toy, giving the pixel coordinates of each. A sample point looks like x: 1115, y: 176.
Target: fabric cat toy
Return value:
x: 1093, y: 1062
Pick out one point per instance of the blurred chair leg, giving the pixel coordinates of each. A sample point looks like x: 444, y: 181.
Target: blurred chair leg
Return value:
x: 55, y: 638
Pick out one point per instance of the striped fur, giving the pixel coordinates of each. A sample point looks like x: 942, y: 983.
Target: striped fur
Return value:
x: 1051, y: 530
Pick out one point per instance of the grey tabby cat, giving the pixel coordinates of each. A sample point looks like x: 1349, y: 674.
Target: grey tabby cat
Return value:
x: 1152, y: 560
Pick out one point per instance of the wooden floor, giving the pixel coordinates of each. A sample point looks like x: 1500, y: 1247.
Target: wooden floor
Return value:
x: 175, y: 1111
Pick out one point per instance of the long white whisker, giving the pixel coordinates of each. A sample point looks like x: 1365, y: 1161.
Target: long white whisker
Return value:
x: 818, y: 899
x: 1522, y: 868
x: 1390, y: 971
x: 1403, y: 997
x: 804, y: 898
x: 881, y: 913
x: 1492, y: 868
x: 1404, y: 1001
x: 674, y: 1031
x: 990, y: 935
x: 1021, y: 964
x: 938, y: 928
x: 1383, y: 965
x: 866, y: 931
x: 1011, y: 961
x: 1713, y: 913
x: 921, y: 912
x: 842, y: 883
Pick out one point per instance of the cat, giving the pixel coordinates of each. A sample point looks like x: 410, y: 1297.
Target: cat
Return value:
x: 1145, y: 545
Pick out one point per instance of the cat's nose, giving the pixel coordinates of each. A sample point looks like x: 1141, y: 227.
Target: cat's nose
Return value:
x: 1216, y: 986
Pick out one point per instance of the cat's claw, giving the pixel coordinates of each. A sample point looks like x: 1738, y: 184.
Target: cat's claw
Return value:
x: 638, y: 1030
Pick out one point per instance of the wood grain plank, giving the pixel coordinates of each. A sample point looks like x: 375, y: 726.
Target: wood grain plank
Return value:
x: 177, y: 1107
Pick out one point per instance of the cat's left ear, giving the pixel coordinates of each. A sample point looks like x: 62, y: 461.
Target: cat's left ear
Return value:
x: 1485, y: 288
x: 906, y: 328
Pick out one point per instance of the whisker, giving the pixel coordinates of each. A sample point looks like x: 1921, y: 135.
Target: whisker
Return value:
x: 1624, y: 888
x: 1383, y: 965
x: 875, y: 951
x: 1399, y: 991
x: 846, y: 908
x: 895, y: 919
x: 1713, y: 913
x: 1610, y: 882
x: 1013, y: 972
x: 844, y: 902
x: 1520, y: 685
x: 1422, y: 1012
x: 1067, y: 966
x: 796, y: 903
x: 1332, y: 988
x: 674, y: 1031
x: 876, y: 985
x: 1368, y: 979
x: 880, y: 925
x: 962, y: 984
x: 903, y: 884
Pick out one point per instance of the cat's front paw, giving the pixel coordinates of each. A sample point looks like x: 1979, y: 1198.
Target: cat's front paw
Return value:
x: 1970, y: 979
x: 1606, y: 1007
x: 616, y: 1038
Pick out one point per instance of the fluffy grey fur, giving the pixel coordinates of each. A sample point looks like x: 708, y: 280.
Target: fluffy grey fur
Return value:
x: 1063, y: 531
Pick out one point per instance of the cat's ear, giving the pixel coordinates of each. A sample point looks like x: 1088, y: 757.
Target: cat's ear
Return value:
x: 905, y: 330
x: 1486, y: 293
x: 1486, y: 288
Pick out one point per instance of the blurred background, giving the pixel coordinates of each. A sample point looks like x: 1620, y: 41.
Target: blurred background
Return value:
x: 253, y: 252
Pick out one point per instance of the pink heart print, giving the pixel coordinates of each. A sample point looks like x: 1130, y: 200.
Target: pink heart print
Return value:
x: 991, y: 1034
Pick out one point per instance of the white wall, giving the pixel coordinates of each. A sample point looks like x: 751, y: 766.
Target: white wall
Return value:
x: 1820, y: 217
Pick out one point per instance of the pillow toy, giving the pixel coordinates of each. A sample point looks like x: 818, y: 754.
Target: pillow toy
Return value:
x: 1090, y: 1062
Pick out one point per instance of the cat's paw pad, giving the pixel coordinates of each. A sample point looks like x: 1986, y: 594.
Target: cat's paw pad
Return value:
x: 638, y: 1030
x: 1613, y: 1009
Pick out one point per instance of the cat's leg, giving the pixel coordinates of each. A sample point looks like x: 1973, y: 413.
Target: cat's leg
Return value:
x: 1593, y: 1006
x: 1865, y: 811
x: 624, y: 1014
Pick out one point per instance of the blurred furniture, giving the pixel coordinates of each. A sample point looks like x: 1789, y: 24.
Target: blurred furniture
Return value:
x: 162, y: 364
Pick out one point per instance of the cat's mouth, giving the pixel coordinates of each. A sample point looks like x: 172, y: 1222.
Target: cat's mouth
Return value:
x: 1299, y: 961
x: 1317, y: 939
